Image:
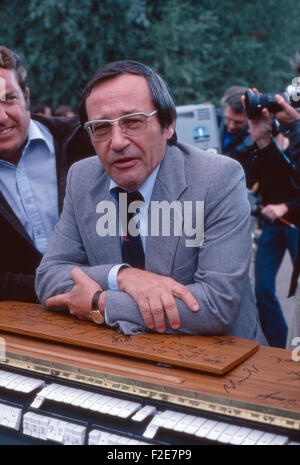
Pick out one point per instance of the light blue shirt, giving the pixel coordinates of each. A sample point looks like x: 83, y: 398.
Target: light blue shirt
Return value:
x: 30, y: 187
x: 146, y: 190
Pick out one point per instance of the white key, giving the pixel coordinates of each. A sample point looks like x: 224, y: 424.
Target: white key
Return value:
x: 183, y: 423
x: 82, y: 396
x: 30, y: 384
x: 151, y: 429
x: 123, y: 441
x: 27, y: 418
x: 111, y: 401
x: 279, y: 440
x: 89, y: 401
x: 15, y: 419
x: 116, y: 407
x: 97, y: 407
x: 104, y: 439
x: 9, y: 380
x: 94, y: 401
x: 228, y: 433
x: 144, y: 413
x: 252, y: 438
x: 293, y: 443
x: 69, y: 395
x: 61, y: 394
x: 68, y: 433
x: 205, y: 428
x: 265, y: 439
x: 195, y: 425
x: 133, y: 442
x: 4, y: 419
x: 217, y: 431
x: 51, y: 394
x: 79, y: 435
x: 171, y: 424
x: 35, y: 422
x: 240, y: 435
x: 164, y: 417
x: 121, y: 410
x: 52, y: 428
x: 37, y: 402
x: 14, y: 383
x: 131, y: 408
x: 94, y: 437
x: 44, y: 422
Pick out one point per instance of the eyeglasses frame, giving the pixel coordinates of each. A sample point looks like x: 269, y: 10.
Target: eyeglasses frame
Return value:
x: 87, y: 125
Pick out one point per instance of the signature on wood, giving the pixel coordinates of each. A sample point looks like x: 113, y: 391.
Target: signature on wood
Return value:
x: 235, y: 383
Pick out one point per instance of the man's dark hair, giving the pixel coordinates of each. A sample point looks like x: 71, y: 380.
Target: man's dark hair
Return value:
x: 162, y: 100
x: 10, y: 60
x: 232, y: 97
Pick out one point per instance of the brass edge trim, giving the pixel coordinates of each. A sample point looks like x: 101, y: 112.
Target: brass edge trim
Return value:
x: 184, y: 398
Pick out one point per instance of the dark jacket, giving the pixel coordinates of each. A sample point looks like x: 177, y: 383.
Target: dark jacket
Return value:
x: 292, y: 131
x: 274, y: 172
x: 19, y: 257
x: 240, y: 146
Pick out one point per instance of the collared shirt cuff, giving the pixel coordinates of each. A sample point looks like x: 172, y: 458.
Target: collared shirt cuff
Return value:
x: 112, y: 279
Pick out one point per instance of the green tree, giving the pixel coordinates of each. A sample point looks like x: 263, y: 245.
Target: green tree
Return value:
x: 200, y: 47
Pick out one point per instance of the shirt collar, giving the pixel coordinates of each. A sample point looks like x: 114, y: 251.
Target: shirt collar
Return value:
x: 37, y: 131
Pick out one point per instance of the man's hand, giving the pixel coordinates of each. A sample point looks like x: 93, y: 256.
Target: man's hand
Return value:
x: 261, y: 126
x: 287, y: 114
x: 155, y: 297
x: 275, y: 211
x: 79, y: 299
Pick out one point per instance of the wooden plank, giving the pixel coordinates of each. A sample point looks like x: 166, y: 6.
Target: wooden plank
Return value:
x: 213, y: 354
x: 263, y: 388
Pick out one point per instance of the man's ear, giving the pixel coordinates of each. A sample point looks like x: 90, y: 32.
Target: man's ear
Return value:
x: 170, y: 130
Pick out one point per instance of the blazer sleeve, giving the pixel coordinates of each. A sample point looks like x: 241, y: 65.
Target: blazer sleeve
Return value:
x: 65, y: 252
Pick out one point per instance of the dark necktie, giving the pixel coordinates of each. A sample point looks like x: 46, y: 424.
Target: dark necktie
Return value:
x: 132, y: 248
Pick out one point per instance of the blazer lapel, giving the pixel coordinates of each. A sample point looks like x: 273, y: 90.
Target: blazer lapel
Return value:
x: 169, y: 186
x: 108, y: 248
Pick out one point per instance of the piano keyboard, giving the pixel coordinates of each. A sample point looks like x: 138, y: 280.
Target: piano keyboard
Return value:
x: 45, y: 411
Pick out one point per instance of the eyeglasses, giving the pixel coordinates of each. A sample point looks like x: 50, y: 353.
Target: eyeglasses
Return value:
x: 133, y: 124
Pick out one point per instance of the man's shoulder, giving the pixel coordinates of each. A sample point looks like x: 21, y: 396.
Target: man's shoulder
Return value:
x: 87, y: 165
x: 205, y: 158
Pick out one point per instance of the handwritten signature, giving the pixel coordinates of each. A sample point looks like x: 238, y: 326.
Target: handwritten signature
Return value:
x: 279, y: 397
x: 235, y: 383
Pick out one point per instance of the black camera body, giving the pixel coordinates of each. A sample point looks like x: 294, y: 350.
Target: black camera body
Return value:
x: 254, y: 103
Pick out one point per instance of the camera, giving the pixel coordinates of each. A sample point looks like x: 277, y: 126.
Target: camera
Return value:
x: 254, y: 103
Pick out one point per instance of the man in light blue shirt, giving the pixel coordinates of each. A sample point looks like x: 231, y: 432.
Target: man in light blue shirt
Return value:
x: 35, y: 154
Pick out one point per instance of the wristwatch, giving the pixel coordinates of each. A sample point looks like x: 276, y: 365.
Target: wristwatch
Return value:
x: 95, y: 315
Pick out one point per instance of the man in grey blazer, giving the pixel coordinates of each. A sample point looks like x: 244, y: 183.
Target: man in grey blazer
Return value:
x: 189, y: 282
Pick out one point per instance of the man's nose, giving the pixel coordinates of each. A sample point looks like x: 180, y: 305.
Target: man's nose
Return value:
x: 119, y: 139
x: 3, y: 114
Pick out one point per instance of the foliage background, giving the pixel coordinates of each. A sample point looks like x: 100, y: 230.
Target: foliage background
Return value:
x: 200, y: 47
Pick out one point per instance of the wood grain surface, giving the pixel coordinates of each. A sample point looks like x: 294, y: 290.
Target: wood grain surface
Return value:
x: 213, y: 354
x: 268, y: 381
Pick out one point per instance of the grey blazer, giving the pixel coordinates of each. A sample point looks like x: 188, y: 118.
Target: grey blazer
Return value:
x: 216, y: 272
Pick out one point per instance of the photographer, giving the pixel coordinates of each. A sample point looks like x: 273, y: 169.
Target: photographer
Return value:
x: 270, y: 165
x: 289, y: 118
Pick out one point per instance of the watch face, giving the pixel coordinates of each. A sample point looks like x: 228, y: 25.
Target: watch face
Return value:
x: 96, y: 317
